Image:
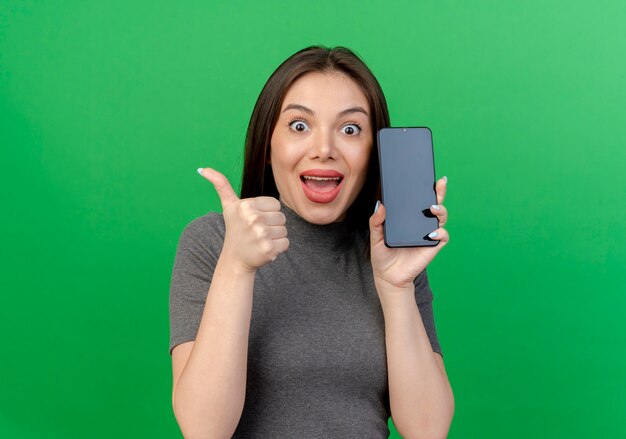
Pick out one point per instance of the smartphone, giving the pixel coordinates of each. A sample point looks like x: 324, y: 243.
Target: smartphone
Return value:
x: 407, y: 175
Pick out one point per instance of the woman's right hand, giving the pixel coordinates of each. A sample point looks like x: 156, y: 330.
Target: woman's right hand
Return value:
x: 255, y: 227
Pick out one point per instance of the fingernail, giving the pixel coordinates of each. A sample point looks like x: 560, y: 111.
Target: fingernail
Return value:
x: 432, y: 235
x: 445, y: 178
x: 200, y: 171
x: 376, y: 208
x: 434, y: 206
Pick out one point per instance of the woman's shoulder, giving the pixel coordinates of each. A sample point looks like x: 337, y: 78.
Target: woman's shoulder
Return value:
x: 209, y: 227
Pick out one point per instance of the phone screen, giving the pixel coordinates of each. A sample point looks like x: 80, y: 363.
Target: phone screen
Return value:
x: 407, y: 172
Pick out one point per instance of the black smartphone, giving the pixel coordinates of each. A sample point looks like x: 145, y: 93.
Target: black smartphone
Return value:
x: 407, y: 175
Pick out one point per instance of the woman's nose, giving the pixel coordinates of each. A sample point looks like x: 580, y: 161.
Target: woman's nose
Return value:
x: 323, y: 147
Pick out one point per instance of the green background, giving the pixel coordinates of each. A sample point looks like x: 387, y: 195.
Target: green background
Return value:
x: 107, y: 108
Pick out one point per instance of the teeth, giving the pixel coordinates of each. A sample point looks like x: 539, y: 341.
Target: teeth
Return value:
x: 309, y: 177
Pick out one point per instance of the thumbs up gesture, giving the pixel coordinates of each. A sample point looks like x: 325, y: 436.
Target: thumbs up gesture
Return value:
x: 255, y: 227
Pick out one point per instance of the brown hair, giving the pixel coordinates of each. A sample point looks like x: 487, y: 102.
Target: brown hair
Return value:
x: 258, y: 179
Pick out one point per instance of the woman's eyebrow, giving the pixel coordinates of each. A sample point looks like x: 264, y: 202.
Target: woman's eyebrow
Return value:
x: 299, y: 107
x: 356, y: 109
x: 353, y: 110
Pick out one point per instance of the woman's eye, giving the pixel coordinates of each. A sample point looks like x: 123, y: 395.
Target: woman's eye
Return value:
x: 299, y: 125
x: 351, y: 129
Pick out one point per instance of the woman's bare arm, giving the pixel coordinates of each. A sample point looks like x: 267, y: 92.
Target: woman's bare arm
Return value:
x: 420, y: 395
x: 210, y: 373
x: 421, y: 398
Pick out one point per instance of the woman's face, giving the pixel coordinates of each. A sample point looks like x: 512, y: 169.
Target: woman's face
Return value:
x: 321, y: 145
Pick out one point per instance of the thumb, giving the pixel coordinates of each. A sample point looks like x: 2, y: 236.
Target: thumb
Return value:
x: 222, y: 186
x: 376, y: 224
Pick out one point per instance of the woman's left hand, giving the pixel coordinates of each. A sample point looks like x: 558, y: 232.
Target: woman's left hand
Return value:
x: 398, y: 267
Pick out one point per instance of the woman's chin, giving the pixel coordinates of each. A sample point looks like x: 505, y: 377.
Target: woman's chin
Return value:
x: 323, y: 214
x: 318, y: 213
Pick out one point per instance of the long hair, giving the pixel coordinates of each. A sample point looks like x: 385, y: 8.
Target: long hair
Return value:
x: 258, y: 179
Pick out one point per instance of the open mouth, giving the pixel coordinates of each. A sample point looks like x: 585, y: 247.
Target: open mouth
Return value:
x: 321, y: 186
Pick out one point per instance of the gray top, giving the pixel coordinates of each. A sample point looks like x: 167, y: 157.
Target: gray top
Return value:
x: 316, y: 354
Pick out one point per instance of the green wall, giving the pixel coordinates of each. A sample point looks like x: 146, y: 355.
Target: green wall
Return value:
x: 107, y: 108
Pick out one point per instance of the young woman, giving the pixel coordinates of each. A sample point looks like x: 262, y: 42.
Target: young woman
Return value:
x: 290, y: 318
